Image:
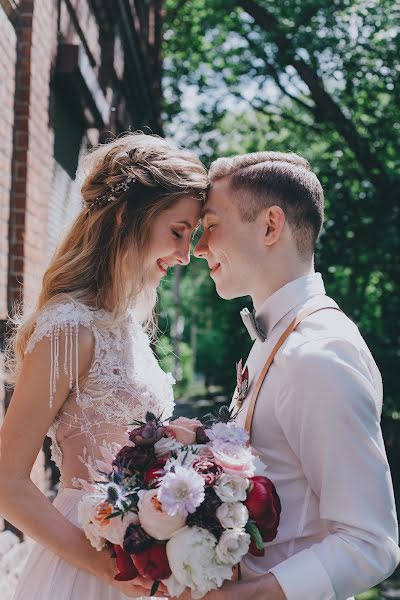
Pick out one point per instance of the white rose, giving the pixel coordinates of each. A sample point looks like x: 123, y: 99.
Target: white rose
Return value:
x: 86, y: 511
x: 191, y: 556
x: 154, y: 520
x: 92, y: 515
x: 231, y: 488
x: 232, y: 515
x: 232, y: 546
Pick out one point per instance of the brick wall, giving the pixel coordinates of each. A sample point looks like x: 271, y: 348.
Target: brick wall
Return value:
x: 8, y: 57
x: 44, y: 127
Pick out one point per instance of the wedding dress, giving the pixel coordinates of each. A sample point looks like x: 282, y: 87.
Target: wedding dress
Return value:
x: 124, y: 381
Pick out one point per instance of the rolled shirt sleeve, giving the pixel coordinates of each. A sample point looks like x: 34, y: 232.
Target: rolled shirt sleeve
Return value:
x: 329, y: 411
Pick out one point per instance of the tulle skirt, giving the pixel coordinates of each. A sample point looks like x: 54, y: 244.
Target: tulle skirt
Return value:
x: 47, y: 576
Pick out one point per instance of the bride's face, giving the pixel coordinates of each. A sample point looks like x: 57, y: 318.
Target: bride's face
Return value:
x: 170, y: 238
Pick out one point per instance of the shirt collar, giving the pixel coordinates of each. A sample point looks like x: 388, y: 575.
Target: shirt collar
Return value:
x: 295, y: 293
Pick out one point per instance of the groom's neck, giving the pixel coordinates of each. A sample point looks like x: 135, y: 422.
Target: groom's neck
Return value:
x: 272, y: 277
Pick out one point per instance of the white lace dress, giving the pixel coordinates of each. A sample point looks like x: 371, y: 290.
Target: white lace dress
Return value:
x: 124, y: 381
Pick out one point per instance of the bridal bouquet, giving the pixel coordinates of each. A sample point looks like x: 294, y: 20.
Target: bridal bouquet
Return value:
x: 180, y: 503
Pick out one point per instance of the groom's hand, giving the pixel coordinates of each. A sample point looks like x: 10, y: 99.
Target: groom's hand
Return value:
x: 264, y: 587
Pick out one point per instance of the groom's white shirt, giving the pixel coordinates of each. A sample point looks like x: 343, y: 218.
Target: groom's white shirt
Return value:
x: 316, y: 427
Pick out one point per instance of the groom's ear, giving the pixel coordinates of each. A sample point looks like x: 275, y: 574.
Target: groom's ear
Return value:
x: 273, y: 222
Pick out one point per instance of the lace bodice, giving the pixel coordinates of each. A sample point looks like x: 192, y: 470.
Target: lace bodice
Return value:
x: 124, y: 381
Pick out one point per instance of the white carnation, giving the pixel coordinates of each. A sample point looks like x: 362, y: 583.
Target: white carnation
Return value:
x: 181, y: 491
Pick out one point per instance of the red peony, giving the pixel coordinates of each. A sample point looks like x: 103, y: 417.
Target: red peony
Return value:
x: 153, y: 563
x: 254, y: 550
x: 264, y: 506
x: 125, y: 566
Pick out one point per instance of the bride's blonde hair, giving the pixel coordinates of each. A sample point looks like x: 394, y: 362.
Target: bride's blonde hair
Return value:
x: 135, y: 177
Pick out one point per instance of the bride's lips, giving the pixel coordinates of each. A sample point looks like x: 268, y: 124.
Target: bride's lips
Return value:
x: 214, y: 269
x: 163, y: 267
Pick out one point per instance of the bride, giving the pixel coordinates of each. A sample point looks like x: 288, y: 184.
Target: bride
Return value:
x: 82, y: 362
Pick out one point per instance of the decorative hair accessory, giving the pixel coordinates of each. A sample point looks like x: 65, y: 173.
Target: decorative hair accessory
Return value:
x: 115, y: 191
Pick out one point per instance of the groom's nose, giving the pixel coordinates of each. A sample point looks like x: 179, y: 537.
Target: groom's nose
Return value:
x: 201, y: 248
x: 183, y: 257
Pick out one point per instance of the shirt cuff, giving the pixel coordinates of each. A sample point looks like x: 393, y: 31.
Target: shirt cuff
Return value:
x: 302, y: 576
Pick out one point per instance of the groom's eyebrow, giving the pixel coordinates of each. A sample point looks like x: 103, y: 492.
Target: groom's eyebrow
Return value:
x: 207, y: 211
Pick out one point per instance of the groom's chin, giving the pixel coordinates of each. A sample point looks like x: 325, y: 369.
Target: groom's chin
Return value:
x: 225, y: 293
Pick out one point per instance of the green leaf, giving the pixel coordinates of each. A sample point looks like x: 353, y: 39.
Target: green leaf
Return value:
x: 255, y: 534
x: 154, y: 588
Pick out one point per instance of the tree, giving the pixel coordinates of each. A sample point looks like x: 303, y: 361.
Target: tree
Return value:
x: 321, y: 79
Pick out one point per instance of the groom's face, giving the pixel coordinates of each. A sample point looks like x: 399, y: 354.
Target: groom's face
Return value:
x: 227, y: 244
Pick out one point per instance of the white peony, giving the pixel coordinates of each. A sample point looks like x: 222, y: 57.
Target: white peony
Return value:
x: 192, y: 558
x: 232, y: 546
x: 232, y: 515
x: 231, y: 488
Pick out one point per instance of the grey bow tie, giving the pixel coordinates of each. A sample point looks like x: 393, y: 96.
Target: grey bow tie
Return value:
x: 250, y: 322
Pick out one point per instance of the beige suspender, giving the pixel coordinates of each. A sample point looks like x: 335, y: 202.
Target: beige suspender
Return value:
x: 300, y: 317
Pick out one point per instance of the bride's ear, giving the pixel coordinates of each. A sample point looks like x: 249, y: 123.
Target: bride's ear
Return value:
x: 119, y: 214
x: 274, y: 222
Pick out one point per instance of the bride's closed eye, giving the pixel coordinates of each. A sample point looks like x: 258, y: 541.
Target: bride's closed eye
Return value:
x: 176, y: 234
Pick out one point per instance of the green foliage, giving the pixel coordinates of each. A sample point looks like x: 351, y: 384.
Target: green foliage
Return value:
x: 321, y: 79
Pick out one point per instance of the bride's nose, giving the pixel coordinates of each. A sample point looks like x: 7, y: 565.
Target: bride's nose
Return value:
x: 183, y: 257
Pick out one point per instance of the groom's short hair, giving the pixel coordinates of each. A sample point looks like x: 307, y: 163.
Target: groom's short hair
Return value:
x: 262, y: 179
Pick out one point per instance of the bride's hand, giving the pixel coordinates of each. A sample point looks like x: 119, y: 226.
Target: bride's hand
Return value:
x: 148, y: 584
x: 104, y: 567
x: 133, y: 589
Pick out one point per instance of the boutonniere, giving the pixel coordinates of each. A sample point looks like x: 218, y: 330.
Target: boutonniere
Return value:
x: 242, y: 382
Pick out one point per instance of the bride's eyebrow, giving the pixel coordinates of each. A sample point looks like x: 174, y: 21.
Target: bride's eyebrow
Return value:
x: 185, y: 223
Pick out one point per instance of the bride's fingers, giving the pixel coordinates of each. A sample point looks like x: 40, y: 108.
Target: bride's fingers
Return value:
x: 148, y: 584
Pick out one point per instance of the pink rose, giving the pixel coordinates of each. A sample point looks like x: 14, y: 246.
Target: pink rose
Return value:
x: 235, y: 460
x: 184, y: 430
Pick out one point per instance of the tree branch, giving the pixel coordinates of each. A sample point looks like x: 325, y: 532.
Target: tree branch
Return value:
x: 285, y: 116
x: 329, y: 110
x: 270, y: 69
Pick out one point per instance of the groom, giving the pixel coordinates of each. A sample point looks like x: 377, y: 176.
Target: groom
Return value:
x: 315, y: 421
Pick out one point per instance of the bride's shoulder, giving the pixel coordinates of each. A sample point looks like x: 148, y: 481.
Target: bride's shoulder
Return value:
x: 66, y: 315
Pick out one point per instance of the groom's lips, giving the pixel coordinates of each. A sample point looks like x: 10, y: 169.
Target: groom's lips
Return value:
x: 214, y: 269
